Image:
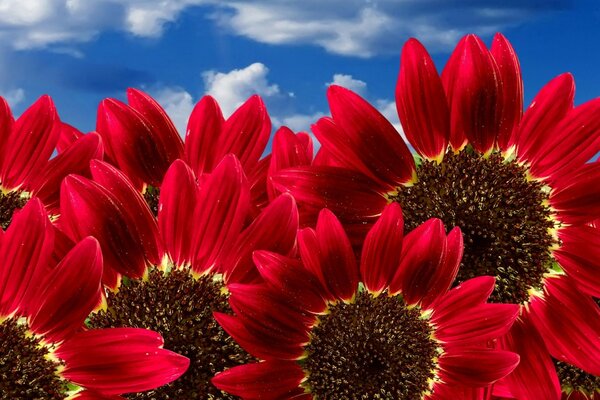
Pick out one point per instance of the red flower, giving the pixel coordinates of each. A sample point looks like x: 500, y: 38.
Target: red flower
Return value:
x: 389, y: 327
x: 143, y: 142
x: 517, y: 185
x: 43, y: 304
x: 26, y: 146
x: 178, y: 267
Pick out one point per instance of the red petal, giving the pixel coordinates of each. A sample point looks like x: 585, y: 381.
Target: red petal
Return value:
x: 139, y: 217
x: 31, y: 143
x: 75, y: 159
x: 571, y: 143
x: 6, y: 125
x: 87, y: 209
x: 478, y: 324
x: 220, y: 212
x: 274, y: 230
x: 449, y: 77
x: 257, y: 179
x: 269, y: 380
x: 470, y: 293
x: 579, y: 256
x: 261, y: 341
x: 25, y: 250
x: 131, y: 142
x: 202, y: 136
x: 87, y: 395
x: 569, y: 323
x: 246, y: 132
x: 119, y: 360
x: 68, y: 136
x: 511, y: 86
x: 366, y: 138
x: 477, y: 367
x: 288, y: 150
x: 449, y: 268
x: 421, y: 102
x: 350, y: 195
x: 289, y: 277
x: 158, y: 121
x: 178, y: 198
x: 337, y: 260
x: 382, y: 249
x: 576, y: 196
x: 545, y: 112
x: 62, y: 306
x: 474, y: 95
x: 535, y: 376
x: 422, y: 260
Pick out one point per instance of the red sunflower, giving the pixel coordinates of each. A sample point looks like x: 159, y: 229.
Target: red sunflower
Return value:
x: 44, y: 352
x: 143, y: 142
x: 389, y: 327
x: 177, y: 268
x: 26, y: 146
x: 519, y: 186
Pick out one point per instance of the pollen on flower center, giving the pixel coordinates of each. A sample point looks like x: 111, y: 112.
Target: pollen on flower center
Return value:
x: 375, y: 348
x: 9, y: 203
x: 573, y: 379
x: 180, y: 308
x: 26, y: 371
x: 503, y: 216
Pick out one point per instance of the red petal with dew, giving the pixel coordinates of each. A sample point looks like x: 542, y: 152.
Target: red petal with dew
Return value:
x: 202, y: 136
x: 579, y: 256
x: 262, y: 341
x: 30, y: 144
x: 569, y: 323
x: 366, y: 138
x: 178, y: 198
x: 274, y: 230
x: 546, y: 110
x: 290, y: 278
x: 220, y: 212
x: 511, y: 86
x: 476, y: 367
x: 25, y: 250
x: 163, y: 130
x: 269, y: 380
x: 75, y: 159
x: 421, y: 102
x: 119, y: 360
x: 337, y: 260
x: 382, y: 249
x: 474, y: 94
x: 62, y: 306
x: 571, y: 143
x: 246, y: 132
x: 423, y: 253
x: 535, y: 376
x: 130, y: 142
x: 87, y: 209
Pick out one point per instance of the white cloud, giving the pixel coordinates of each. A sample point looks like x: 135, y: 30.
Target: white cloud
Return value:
x: 349, y: 82
x: 350, y: 27
x: 178, y: 104
x: 14, y: 97
x: 300, y: 122
x: 232, y: 88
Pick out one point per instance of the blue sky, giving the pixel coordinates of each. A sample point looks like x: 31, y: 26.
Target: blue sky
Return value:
x: 81, y: 51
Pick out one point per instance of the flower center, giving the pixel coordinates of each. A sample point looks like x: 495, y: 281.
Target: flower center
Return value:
x: 151, y: 195
x: 180, y: 308
x: 374, y: 348
x: 503, y: 217
x: 9, y: 203
x: 573, y: 379
x: 26, y: 369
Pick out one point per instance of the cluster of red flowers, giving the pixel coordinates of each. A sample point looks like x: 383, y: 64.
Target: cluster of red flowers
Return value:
x: 139, y: 265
